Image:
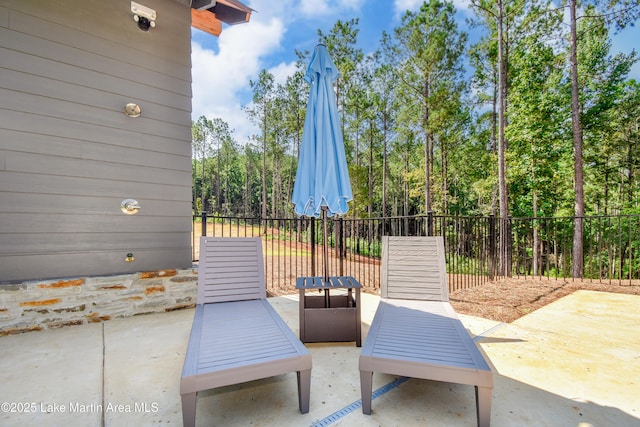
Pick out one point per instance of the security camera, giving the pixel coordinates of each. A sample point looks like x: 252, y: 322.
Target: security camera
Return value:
x: 203, y: 4
x: 144, y: 16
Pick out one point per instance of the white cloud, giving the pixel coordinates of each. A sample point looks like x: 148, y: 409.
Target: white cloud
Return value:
x: 219, y: 76
x: 314, y: 7
x: 320, y: 8
x: 282, y: 71
x: 266, y: 9
x: 401, y: 6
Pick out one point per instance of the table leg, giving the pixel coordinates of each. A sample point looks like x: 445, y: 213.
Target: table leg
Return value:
x: 301, y: 314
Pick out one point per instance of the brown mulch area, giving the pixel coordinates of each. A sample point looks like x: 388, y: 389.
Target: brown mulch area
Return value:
x: 504, y: 300
x: 509, y: 299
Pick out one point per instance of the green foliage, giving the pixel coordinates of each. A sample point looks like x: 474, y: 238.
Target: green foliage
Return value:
x: 420, y: 129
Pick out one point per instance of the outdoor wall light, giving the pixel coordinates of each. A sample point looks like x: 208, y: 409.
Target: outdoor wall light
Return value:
x: 144, y: 16
x: 130, y: 206
x: 132, y: 110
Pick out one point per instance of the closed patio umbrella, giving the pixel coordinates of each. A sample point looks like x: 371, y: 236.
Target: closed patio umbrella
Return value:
x: 322, y: 186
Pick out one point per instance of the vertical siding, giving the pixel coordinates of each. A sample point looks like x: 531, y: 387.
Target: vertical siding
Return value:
x: 68, y: 154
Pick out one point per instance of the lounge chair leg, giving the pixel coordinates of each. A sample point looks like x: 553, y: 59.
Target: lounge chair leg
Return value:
x: 189, y: 410
x: 483, y: 405
x: 304, y: 390
x: 366, y: 388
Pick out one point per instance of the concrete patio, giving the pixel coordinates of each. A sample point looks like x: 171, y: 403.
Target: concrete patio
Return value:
x: 575, y: 362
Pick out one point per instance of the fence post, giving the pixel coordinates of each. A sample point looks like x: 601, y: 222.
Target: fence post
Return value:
x: 492, y: 247
x: 505, y: 248
x: 203, y: 226
x: 341, y: 245
x: 430, y: 223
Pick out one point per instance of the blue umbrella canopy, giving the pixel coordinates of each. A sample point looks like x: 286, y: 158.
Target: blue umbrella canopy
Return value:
x: 322, y: 179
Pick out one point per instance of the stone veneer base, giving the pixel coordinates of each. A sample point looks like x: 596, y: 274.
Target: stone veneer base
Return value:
x: 46, y: 304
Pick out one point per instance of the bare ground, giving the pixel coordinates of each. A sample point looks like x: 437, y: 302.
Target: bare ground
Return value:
x: 509, y: 299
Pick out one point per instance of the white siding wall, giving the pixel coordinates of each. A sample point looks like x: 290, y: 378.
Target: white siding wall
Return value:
x: 68, y: 154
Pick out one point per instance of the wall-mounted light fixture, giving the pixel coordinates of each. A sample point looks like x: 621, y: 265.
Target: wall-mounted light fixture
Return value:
x: 132, y: 110
x: 130, y: 206
x: 144, y: 16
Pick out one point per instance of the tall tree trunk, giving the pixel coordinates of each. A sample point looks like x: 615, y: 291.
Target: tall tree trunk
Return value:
x: 505, y: 233
x: 218, y: 198
x: 427, y: 152
x: 264, y: 170
x: 443, y: 175
x: 227, y: 199
x: 494, y: 141
x: 405, y: 176
x: 384, y: 168
x: 247, y: 188
x: 578, y: 231
x: 194, y: 171
x: 202, y: 186
x: 534, y: 224
x: 356, y: 144
x: 371, y: 136
x: 631, y: 177
x: 274, y: 188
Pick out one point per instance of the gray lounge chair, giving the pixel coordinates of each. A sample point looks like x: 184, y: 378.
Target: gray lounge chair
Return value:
x: 236, y: 335
x: 415, y: 331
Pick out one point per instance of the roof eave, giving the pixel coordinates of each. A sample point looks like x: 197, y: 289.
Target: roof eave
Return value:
x: 210, y: 19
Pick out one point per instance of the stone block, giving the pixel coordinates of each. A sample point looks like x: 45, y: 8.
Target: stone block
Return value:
x: 114, y: 306
x: 112, y: 287
x: 39, y: 303
x: 110, y: 282
x: 19, y: 330
x: 6, y: 314
x: 185, y: 278
x: 186, y: 300
x: 56, y: 325
x: 154, y: 289
x: 150, y: 305
x: 140, y: 284
x: 95, y: 317
x: 154, y: 274
x: 73, y: 309
x: 180, y: 307
x: 8, y: 287
x: 60, y: 284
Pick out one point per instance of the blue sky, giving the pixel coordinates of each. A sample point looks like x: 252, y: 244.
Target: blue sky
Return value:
x: 223, y: 66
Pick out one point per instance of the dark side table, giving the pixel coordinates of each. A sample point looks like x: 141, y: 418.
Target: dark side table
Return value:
x: 329, y: 318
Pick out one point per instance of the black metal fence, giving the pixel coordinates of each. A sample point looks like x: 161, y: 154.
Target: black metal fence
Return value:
x: 538, y: 248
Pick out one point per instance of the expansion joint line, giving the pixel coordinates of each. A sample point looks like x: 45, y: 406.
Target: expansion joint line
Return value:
x: 386, y: 388
x: 104, y: 352
x: 358, y: 404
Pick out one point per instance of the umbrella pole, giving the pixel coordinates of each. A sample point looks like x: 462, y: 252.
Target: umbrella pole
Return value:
x: 327, y: 302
